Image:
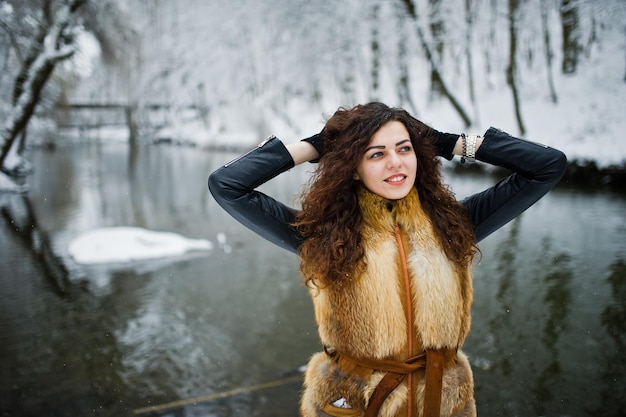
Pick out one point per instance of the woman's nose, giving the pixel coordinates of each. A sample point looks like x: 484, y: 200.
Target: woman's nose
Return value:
x: 393, y: 160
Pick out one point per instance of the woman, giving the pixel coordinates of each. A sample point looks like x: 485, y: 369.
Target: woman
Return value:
x: 386, y: 252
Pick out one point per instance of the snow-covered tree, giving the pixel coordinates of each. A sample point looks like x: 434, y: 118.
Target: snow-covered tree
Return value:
x: 52, y: 42
x: 38, y: 35
x: 246, y: 68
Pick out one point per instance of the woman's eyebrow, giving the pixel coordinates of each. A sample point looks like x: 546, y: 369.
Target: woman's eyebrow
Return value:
x: 383, y: 146
x: 375, y: 147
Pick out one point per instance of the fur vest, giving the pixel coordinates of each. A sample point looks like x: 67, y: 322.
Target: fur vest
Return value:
x: 366, y: 317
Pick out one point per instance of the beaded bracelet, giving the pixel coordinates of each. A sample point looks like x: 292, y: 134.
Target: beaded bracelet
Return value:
x: 464, y: 140
x: 469, y: 148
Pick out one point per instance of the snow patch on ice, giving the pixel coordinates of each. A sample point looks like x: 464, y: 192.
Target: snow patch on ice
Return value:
x: 128, y: 244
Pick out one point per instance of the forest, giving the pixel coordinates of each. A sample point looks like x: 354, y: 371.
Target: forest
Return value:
x: 218, y: 74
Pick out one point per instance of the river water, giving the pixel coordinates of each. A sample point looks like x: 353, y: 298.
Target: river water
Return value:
x: 223, y: 333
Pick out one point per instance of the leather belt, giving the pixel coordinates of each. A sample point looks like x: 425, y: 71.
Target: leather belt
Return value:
x: 432, y: 360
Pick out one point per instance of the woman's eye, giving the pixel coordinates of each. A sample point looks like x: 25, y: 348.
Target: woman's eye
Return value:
x: 375, y: 155
x: 406, y: 149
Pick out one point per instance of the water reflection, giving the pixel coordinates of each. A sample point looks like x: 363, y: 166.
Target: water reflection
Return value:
x: 547, y: 339
x: 558, y: 298
x: 613, y: 359
x: 20, y: 217
x: 614, y: 315
x: 501, y: 323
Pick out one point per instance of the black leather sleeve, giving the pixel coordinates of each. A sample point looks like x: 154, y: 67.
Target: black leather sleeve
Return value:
x: 233, y: 187
x: 536, y: 170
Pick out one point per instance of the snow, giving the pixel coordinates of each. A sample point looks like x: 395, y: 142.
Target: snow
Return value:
x: 267, y: 87
x: 110, y: 134
x: 239, y: 78
x: 129, y: 244
x: 285, y: 78
x: 587, y: 124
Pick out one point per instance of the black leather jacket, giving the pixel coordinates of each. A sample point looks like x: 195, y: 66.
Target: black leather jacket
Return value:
x: 536, y: 170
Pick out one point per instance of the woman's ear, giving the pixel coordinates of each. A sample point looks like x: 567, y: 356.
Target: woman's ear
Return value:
x: 356, y: 177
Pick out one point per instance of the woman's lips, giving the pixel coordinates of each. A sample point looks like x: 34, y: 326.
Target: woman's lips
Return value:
x: 396, y: 179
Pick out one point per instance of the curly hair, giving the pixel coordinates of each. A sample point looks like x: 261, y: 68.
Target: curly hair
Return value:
x: 330, y: 220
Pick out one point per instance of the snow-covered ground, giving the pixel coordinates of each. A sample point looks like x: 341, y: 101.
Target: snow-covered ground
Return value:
x: 586, y: 122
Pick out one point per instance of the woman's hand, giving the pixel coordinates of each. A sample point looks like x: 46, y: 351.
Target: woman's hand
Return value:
x: 317, y: 142
x: 302, y: 151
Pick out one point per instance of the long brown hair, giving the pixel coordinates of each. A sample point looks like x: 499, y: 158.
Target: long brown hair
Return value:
x: 330, y: 219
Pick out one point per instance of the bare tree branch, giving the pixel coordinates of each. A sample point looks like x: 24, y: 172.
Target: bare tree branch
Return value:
x: 436, y: 73
x: 512, y: 67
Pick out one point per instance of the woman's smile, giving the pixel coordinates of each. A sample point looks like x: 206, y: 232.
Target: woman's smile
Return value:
x: 396, y: 179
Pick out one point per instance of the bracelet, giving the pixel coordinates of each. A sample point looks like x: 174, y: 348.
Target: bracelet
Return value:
x: 469, y: 148
x: 464, y: 139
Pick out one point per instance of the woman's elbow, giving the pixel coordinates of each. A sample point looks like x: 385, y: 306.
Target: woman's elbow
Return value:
x: 555, y: 168
x: 218, y: 187
x: 213, y: 183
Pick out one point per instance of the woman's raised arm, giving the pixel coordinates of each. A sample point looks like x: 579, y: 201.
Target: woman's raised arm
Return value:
x: 536, y: 170
x: 234, y: 188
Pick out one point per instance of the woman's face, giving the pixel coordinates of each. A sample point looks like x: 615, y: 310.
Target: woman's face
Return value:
x: 389, y: 165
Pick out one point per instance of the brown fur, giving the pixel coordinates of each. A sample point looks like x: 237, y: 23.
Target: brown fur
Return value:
x: 364, y: 317
x: 325, y: 382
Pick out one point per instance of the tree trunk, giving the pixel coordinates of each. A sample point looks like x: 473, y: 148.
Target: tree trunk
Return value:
x: 35, y: 49
x: 469, y: 20
x: 133, y: 123
x: 375, y: 48
x: 410, y: 9
x: 548, y: 49
x: 347, y: 72
x: 34, y: 75
x: 571, y: 36
x: 404, y: 84
x: 437, y: 31
x: 511, y: 69
x: 490, y: 45
x: 404, y: 78
x: 24, y: 108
